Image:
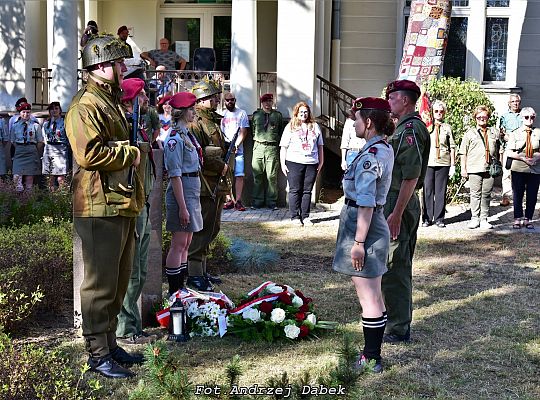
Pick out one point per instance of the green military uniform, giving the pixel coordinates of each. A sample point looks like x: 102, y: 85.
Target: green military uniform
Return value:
x: 206, y: 128
x: 129, y: 319
x: 267, y: 129
x: 411, y: 144
x: 104, y: 206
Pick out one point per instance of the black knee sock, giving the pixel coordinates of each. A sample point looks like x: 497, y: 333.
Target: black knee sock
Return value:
x: 175, y: 277
x: 373, y: 334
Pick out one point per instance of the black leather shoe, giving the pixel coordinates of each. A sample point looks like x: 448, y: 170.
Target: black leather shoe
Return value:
x: 200, y: 283
x: 123, y: 357
x: 394, y: 338
x: 109, y: 368
x: 213, y: 279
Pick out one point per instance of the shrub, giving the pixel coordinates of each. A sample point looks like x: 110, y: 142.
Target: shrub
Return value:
x: 219, y: 255
x: 252, y: 257
x: 33, y: 256
x: 31, y: 372
x: 461, y: 98
x: 36, y: 206
x: 15, y: 305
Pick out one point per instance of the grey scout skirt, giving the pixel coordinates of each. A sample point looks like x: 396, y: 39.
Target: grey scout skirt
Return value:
x: 192, y: 193
x: 26, y: 160
x: 376, y: 246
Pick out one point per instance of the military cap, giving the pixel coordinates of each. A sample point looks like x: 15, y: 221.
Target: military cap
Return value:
x: 164, y: 99
x: 205, y: 88
x: 183, y: 100
x: 402, y: 84
x: 104, y: 48
x: 370, y: 103
x: 131, y: 88
x: 24, y: 106
x: 267, y: 97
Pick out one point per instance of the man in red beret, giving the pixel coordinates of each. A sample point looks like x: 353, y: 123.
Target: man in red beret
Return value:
x: 129, y: 329
x: 411, y: 144
x: 266, y: 126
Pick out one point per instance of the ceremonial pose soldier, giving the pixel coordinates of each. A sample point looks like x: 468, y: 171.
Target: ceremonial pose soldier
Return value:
x: 267, y: 126
x: 105, y: 201
x: 207, y: 132
x: 411, y: 144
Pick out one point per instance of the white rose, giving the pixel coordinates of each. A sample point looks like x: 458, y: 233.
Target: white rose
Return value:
x: 297, y: 301
x: 274, y: 289
x: 289, y: 289
x: 252, y: 314
x: 292, y: 331
x: 312, y: 319
x: 278, y: 315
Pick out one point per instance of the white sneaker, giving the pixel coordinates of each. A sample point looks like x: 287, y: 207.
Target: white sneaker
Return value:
x: 485, y: 225
x: 473, y: 224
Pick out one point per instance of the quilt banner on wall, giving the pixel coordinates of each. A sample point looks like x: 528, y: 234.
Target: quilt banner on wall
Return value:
x: 425, y: 43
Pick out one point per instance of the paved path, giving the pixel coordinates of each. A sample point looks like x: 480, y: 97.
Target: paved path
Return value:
x: 457, y: 216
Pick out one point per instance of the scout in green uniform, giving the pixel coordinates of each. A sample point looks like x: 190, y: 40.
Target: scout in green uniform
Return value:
x: 411, y: 144
x: 129, y: 319
x: 267, y: 126
x: 105, y: 202
x: 207, y: 131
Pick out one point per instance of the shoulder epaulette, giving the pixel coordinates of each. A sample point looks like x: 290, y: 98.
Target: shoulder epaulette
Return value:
x: 372, y: 150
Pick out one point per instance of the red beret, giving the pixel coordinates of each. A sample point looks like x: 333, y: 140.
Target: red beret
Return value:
x: 402, y: 85
x: 267, y: 97
x: 183, y: 100
x: 131, y: 88
x: 164, y: 99
x: 370, y: 103
x: 24, y: 106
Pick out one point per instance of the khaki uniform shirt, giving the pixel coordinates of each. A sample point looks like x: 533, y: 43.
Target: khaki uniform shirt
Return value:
x: 516, y: 143
x: 472, y: 146
x: 207, y: 131
x: 272, y: 133
x: 99, y: 136
x: 411, y: 144
x: 446, y: 143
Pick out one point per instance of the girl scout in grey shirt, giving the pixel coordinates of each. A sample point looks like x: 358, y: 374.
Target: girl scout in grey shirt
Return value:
x: 183, y: 159
x: 363, y: 236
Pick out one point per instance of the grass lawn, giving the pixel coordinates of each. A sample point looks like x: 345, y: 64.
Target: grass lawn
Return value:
x: 476, y: 325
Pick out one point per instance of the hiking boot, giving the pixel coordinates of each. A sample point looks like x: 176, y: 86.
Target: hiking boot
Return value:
x: 364, y: 364
x: 228, y: 205
x: 473, y: 224
x: 239, y: 206
x: 200, y: 283
x: 123, y: 357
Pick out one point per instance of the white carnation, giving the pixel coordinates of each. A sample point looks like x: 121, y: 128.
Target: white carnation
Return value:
x: 312, y: 319
x: 297, y: 301
x: 252, y: 314
x: 278, y: 315
x: 292, y: 331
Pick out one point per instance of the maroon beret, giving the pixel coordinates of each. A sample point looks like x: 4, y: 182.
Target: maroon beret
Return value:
x: 131, y: 88
x: 122, y: 29
x: 370, y: 103
x: 164, y: 99
x: 24, y: 106
x: 267, y: 97
x: 402, y: 85
x: 183, y: 100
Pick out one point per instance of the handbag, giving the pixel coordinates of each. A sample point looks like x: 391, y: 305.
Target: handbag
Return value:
x: 509, y: 160
x: 495, y: 168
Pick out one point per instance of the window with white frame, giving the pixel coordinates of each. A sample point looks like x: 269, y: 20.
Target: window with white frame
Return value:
x: 493, y: 31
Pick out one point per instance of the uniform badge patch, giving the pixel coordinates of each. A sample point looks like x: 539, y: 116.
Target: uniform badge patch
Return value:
x: 171, y: 144
x: 410, y: 140
x: 366, y: 164
x: 409, y: 125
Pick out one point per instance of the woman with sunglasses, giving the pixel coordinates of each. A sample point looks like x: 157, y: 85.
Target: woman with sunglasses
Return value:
x: 301, y: 158
x: 524, y: 148
x: 441, y: 166
x: 363, y: 240
x: 478, y: 146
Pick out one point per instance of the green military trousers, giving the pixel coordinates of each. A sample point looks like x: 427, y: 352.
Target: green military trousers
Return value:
x: 107, y: 249
x: 265, y: 163
x: 397, y: 282
x: 198, y: 249
x: 129, y: 318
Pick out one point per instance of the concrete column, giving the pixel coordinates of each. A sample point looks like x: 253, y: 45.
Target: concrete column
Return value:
x: 152, y: 290
x: 296, y: 53
x: 475, y: 48
x: 62, y: 41
x: 244, y: 53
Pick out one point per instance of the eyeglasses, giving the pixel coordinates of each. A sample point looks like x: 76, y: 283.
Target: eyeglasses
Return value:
x: 232, y: 99
x: 482, y: 118
x: 531, y: 117
x: 438, y: 111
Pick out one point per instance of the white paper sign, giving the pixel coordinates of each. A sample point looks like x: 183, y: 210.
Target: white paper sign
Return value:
x: 182, y: 49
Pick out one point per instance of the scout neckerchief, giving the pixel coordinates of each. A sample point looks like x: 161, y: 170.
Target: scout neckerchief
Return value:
x: 484, y: 137
x: 25, y: 132
x: 528, y: 143
x: 437, y: 141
